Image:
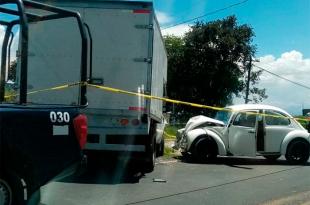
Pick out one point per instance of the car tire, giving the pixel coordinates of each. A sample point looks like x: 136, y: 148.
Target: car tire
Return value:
x: 298, y: 152
x: 205, y: 150
x: 17, y: 190
x: 272, y: 157
x: 5, y: 193
x: 14, y: 184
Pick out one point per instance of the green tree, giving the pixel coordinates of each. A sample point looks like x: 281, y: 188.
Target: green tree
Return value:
x: 12, y: 71
x: 256, y: 95
x: 208, y: 64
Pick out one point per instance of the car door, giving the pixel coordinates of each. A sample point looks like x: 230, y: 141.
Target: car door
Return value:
x: 277, y: 126
x: 242, y: 133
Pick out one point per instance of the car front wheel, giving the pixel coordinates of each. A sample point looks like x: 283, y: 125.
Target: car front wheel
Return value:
x: 205, y: 150
x: 298, y: 152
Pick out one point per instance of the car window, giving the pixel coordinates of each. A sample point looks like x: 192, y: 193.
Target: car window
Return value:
x: 275, y: 118
x: 245, y: 119
x: 223, y: 116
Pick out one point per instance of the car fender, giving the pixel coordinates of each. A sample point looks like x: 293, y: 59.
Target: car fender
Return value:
x: 200, y: 133
x: 291, y: 136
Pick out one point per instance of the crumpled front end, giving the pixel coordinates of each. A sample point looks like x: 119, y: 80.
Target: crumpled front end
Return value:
x: 181, y: 140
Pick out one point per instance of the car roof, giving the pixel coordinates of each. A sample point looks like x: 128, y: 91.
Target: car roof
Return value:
x: 256, y: 107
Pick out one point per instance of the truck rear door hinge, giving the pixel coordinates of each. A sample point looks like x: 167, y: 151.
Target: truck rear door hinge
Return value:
x: 144, y: 60
x: 150, y: 26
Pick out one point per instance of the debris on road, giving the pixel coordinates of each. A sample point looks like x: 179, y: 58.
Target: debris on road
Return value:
x: 159, y: 180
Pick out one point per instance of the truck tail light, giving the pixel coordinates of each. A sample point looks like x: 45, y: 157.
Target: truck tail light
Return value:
x: 124, y: 122
x: 135, y: 122
x: 80, y: 127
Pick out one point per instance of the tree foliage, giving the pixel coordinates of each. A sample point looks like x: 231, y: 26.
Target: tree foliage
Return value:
x: 12, y: 71
x: 208, y: 64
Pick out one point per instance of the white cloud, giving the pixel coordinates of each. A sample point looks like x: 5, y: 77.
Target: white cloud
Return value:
x: 179, y: 30
x: 291, y: 65
x: 163, y: 18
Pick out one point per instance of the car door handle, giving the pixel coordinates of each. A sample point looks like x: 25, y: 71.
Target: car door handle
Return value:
x: 252, y: 132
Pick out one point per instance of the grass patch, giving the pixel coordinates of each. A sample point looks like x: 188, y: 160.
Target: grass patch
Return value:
x: 171, y: 131
x: 169, y: 152
x: 170, y: 135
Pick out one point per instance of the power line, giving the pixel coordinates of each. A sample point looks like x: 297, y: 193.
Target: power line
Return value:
x: 204, y: 15
x: 283, y: 78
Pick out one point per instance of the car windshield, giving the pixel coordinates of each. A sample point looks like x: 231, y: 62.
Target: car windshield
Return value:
x: 223, y: 116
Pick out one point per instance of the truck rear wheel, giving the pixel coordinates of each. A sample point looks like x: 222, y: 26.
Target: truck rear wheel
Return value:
x: 149, y: 163
x: 160, y: 148
x: 298, y: 152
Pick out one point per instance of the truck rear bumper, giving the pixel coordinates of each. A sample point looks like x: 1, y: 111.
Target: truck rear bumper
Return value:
x: 116, y: 147
x: 126, y: 140
x: 112, y: 155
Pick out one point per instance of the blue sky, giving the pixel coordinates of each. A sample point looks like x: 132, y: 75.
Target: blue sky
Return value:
x: 279, y: 25
x: 282, y: 29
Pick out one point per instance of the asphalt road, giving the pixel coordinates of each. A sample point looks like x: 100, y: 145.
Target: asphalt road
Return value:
x: 227, y: 181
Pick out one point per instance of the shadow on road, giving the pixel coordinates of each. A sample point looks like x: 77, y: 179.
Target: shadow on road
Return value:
x: 239, y: 162
x: 107, y: 169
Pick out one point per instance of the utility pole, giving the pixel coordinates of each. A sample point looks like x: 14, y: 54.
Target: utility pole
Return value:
x: 248, y: 81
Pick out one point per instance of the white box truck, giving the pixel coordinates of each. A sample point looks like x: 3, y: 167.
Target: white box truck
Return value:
x: 128, y: 53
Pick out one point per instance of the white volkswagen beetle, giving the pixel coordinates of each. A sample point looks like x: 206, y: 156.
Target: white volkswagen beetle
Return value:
x: 245, y: 130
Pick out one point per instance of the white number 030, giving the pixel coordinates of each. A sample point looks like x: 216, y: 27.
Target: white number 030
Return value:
x: 59, y: 117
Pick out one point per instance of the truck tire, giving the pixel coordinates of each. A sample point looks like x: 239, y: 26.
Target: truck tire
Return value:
x: 5, y: 193
x: 149, y: 163
x: 205, y: 149
x: 298, y: 152
x: 160, y: 148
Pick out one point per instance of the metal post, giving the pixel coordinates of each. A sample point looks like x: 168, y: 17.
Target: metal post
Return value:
x: 24, y: 52
x: 248, y: 81
x: 4, y: 63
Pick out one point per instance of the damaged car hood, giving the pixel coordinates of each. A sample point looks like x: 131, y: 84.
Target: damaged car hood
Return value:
x: 196, y: 121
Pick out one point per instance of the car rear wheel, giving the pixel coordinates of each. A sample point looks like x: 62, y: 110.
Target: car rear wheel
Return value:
x: 298, y: 152
x: 205, y: 150
x: 5, y: 193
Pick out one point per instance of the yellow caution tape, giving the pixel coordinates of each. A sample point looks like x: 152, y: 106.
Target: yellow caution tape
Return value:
x: 60, y: 87
x: 120, y: 91
x: 115, y: 90
x: 169, y: 136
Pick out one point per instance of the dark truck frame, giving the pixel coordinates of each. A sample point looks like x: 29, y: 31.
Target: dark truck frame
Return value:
x: 31, y: 154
